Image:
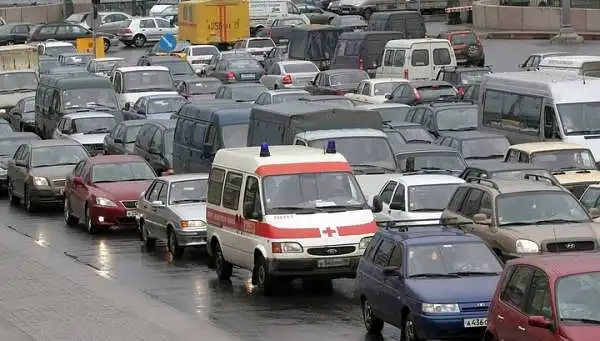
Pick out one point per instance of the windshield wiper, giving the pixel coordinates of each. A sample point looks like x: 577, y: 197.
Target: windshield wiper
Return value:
x: 98, y: 131
x: 557, y: 221
x: 55, y: 164
x: 588, y: 131
x: 487, y: 157
x: 425, y: 209
x: 582, y: 320
x: 419, y: 141
x: 475, y: 273
x: 432, y: 274
x: 461, y: 129
x: 296, y: 209
x: 185, y: 201
x: 341, y: 208
x: 374, y: 167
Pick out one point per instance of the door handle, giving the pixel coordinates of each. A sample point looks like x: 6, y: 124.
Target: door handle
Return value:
x: 521, y: 328
x: 500, y: 317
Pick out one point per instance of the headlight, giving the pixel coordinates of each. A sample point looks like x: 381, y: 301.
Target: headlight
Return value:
x: 191, y: 223
x: 364, y: 242
x: 40, y: 181
x: 2, y: 111
x: 286, y: 247
x: 105, y: 202
x: 439, y: 308
x: 526, y: 246
x: 3, y: 172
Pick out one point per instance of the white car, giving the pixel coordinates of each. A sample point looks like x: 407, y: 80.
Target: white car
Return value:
x: 289, y: 74
x: 54, y: 48
x: 374, y: 90
x: 102, y: 66
x: 132, y: 82
x: 87, y: 128
x: 258, y: 47
x: 419, y: 198
x: 199, y: 56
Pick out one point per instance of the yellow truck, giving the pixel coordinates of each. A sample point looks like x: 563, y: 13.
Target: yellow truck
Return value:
x: 215, y: 22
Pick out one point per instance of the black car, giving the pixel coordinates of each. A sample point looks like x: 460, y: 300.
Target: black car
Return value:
x: 154, y: 143
x: 408, y: 132
x: 355, y: 22
x: 461, y: 77
x: 241, y: 92
x: 503, y: 170
x: 65, y: 31
x: 204, y: 88
x: 444, y: 116
x: 9, y: 142
x: 47, y: 63
x: 426, y: 157
x: 277, y: 54
x: 415, y: 92
x: 122, y: 139
x: 14, y: 33
x: 233, y: 54
x: 475, y: 145
x: 336, y: 82
x: 22, y: 116
x: 180, y: 69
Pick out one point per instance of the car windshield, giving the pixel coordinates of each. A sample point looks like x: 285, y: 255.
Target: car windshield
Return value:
x: 589, y: 199
x: 385, y: 88
x: 578, y: 299
x: 529, y: 208
x: 13, y: 81
x: 86, y: 98
x: 457, y: 118
x: 123, y: 171
x: 566, y: 159
x: 57, y: 156
x: 56, y: 51
x: 178, y: 68
x: 519, y: 174
x: 463, y: 39
x: 81, y: 59
x: 395, y: 139
x: 247, y: 93
x: 580, y: 118
x: 260, y: 43
x: 144, y: 81
x: 290, y: 22
x: 188, y: 191
x: 9, y: 147
x: 94, y: 125
x: 234, y: 135
x: 203, y: 87
x: 105, y: 65
x: 243, y: 64
x: 204, y: 51
x: 334, y: 101
x: 351, y: 20
x: 347, y: 79
x: 416, y: 133
x: 369, y: 151
x: 314, y: 192
x: 393, y: 114
x: 287, y: 96
x: 488, y: 148
x: 449, y: 161
x: 428, y: 198
x: 164, y: 105
x: 29, y: 106
x: 299, y: 68
x: 48, y: 64
x: 169, y: 137
x: 434, y: 93
x: 452, y: 258
x: 469, y: 77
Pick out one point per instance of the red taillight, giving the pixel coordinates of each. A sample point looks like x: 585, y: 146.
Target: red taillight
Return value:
x: 417, y: 94
x: 361, y: 63
x: 405, y: 73
x: 125, y: 30
x: 230, y: 75
x: 168, y: 171
x: 461, y: 91
x: 287, y: 79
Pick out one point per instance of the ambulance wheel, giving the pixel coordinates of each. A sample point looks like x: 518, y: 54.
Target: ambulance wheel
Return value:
x: 223, y: 268
x: 261, y: 276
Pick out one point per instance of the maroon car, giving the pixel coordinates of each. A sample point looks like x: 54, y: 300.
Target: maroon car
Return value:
x: 102, y: 191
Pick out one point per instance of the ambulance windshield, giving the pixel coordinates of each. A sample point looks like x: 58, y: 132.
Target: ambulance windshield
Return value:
x: 312, y: 193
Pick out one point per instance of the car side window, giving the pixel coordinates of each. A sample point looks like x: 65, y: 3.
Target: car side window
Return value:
x: 153, y: 196
x: 486, y: 204
x: 397, y: 256
x: 471, y: 205
x: 18, y: 153
x: 399, y: 197
x: 26, y: 155
x: 512, y: 156
x: 538, y: 303
x: 388, y: 57
x: 121, y: 133
x: 383, y: 253
x: 231, y: 190
x: 162, y: 195
x: 78, y: 170
x: 523, y: 157
x: 366, y: 90
x: 147, y: 23
x: 387, y: 192
x: 516, y: 288
x: 156, y: 141
x: 419, y: 58
x: 252, y: 198
x: 215, y: 186
x: 161, y: 23
x: 373, y: 244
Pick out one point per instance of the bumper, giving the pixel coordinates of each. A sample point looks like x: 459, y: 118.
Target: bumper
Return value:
x: 113, y: 216
x: 309, y: 268
x: 191, y: 238
x: 47, y: 195
x: 448, y: 327
x: 125, y: 39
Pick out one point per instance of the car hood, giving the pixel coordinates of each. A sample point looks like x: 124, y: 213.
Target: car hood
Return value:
x: 192, y: 211
x: 580, y: 332
x: 11, y: 99
x: 539, y: 233
x: 54, y: 172
x: 88, y: 138
x: 454, y: 290
x: 570, y: 177
x: 123, y: 190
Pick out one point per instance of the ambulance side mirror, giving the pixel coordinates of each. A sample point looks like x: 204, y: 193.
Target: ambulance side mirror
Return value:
x: 250, y: 213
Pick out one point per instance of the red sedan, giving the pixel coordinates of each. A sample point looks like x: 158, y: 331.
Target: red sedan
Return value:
x: 102, y: 191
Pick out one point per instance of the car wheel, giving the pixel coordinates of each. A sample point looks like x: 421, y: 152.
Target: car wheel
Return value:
x: 29, y: 206
x: 223, y: 268
x: 174, y: 248
x: 15, y: 201
x: 373, y: 324
x: 149, y: 243
x: 69, y: 218
x: 106, y: 45
x: 89, y: 224
x: 261, y: 277
x: 139, y: 40
x: 409, y: 331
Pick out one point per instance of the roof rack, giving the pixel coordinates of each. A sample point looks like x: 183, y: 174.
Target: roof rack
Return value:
x: 428, y: 171
x: 404, y: 225
x: 485, y: 182
x: 538, y: 177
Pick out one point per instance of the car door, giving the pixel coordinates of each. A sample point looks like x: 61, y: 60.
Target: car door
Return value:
x: 379, y: 298
x: 12, y: 167
x: 71, y: 195
x: 82, y: 192
x: 153, y: 151
x: 64, y: 32
x: 148, y: 29
x: 20, y: 33
x: 470, y: 207
x: 420, y: 62
x: 252, y: 213
x: 150, y: 219
x: 508, y: 314
x: 160, y: 214
x: 539, y: 304
x: 393, y: 288
x: 22, y: 170
x: 386, y: 195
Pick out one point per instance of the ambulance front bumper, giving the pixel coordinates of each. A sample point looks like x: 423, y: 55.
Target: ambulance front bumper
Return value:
x: 315, y: 267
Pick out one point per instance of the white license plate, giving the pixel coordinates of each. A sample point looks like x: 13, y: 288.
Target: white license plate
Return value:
x: 333, y: 263
x: 473, y: 323
x: 131, y: 213
x: 248, y: 76
x: 284, y: 40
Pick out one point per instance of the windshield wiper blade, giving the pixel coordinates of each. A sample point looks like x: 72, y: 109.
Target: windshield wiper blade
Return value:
x: 582, y: 320
x: 98, y: 131
x: 375, y: 167
x: 432, y: 274
x: 475, y: 273
x: 185, y: 201
x: 557, y: 221
x: 55, y: 164
x: 425, y: 209
x: 341, y: 207
x: 461, y: 129
x: 296, y: 209
x: 487, y: 157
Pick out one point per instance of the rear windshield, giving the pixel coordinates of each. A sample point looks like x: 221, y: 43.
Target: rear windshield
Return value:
x: 300, y: 68
x: 260, y: 43
x: 463, y: 39
x: 243, y: 64
x: 204, y: 51
x: 473, y: 76
x: 313, y: 45
x: 429, y: 93
x: 347, y: 78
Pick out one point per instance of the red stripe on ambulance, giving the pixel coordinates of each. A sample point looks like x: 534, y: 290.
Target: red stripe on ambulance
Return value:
x: 298, y: 168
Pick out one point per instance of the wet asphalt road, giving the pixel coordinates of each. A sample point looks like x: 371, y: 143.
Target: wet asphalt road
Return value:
x: 188, y: 285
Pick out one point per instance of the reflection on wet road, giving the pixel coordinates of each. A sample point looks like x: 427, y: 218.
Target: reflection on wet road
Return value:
x: 188, y: 285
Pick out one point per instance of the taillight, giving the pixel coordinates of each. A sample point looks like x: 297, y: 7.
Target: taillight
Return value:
x: 230, y: 75
x: 287, y: 79
x: 167, y: 171
x: 417, y: 94
x: 361, y: 63
x: 405, y: 73
x: 125, y: 30
x: 461, y: 91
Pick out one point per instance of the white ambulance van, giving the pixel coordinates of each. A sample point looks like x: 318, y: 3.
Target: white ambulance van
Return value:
x: 286, y: 212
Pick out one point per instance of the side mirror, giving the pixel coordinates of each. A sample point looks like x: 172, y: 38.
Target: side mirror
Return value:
x: 250, y: 213
x: 540, y: 322
x: 127, y: 107
x: 594, y: 212
x: 157, y: 204
x: 388, y: 96
x: 377, y: 204
x: 117, y: 140
x: 397, y: 206
x: 481, y: 219
x: 78, y: 180
x: 391, y: 271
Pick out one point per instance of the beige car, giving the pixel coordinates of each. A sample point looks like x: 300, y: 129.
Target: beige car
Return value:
x: 519, y: 217
x: 573, y: 165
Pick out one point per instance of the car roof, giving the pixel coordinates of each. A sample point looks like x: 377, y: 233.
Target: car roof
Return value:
x: 470, y: 135
x: 499, y: 166
x: 106, y: 159
x: 516, y: 186
x: 422, y: 147
x: 157, y: 59
x: 431, y: 234
x: 183, y: 177
x: 534, y: 147
x: 312, y: 135
x: 168, y: 124
x: 427, y: 179
x: 52, y: 143
x: 563, y: 264
x: 142, y: 68
x: 383, y: 105
x: 88, y: 115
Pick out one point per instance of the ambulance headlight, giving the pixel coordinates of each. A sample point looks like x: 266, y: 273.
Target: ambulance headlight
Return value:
x: 364, y: 243
x: 286, y: 247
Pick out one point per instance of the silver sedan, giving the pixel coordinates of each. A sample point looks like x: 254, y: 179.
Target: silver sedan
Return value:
x: 173, y: 210
x: 289, y: 74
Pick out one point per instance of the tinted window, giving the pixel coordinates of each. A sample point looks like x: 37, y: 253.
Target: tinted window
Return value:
x: 434, y: 93
x: 383, y: 253
x: 420, y: 58
x: 246, y: 94
x: 231, y: 191
x: 260, y: 43
x: 463, y: 39
x: 484, y: 148
x: 215, y: 185
x: 204, y: 51
x: 457, y: 198
x: 178, y: 67
x: 433, y: 161
x: 441, y: 57
x: 416, y: 134
x: 515, y: 290
x: 300, y: 67
x: 508, y: 111
x: 393, y: 114
x: 457, y: 118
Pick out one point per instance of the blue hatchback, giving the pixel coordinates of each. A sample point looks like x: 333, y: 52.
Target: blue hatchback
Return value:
x: 432, y: 282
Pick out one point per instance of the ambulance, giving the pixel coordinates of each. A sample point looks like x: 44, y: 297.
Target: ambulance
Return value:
x: 286, y: 212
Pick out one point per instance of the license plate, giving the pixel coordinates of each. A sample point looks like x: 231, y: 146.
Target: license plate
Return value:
x: 284, y: 40
x: 247, y: 76
x: 345, y: 12
x: 131, y: 213
x: 333, y: 263
x: 60, y: 191
x: 473, y: 323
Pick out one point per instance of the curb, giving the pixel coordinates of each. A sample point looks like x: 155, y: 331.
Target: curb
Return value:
x: 531, y: 35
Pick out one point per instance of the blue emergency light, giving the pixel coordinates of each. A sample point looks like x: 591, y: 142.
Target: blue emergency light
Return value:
x: 264, y: 150
x: 330, y: 147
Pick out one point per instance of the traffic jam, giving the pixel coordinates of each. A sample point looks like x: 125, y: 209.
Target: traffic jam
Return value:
x: 463, y: 203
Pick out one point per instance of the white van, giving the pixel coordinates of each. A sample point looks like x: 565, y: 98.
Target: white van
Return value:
x: 162, y: 5
x: 581, y: 65
x: 416, y: 59
x: 264, y: 12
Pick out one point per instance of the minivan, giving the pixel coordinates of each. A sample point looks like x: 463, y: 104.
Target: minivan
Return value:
x: 362, y: 50
x: 154, y: 143
x: 416, y: 59
x: 57, y: 95
x: 581, y: 65
x: 411, y: 23
x: 203, y: 128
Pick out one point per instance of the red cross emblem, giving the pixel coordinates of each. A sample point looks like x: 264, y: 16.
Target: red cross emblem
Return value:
x: 329, y: 231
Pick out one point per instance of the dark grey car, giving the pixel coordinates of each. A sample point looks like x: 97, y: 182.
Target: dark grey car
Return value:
x: 238, y: 70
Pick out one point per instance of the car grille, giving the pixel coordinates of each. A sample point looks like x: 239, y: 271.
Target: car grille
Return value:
x: 567, y: 246
x: 59, y: 182
x: 478, y: 306
x: 129, y: 203
x: 331, y: 251
x: 578, y: 189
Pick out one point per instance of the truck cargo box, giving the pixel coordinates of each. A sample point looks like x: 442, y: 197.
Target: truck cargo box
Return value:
x: 216, y: 22
x: 18, y: 57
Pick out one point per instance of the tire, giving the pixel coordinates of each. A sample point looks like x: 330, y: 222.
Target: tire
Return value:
x: 106, y: 45
x: 149, y: 243
x: 139, y: 40
x: 89, y: 224
x: 176, y: 250
x: 223, y: 268
x: 408, y: 332
x: 15, y: 201
x: 70, y: 220
x: 29, y: 206
x: 373, y: 324
x: 261, y: 277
